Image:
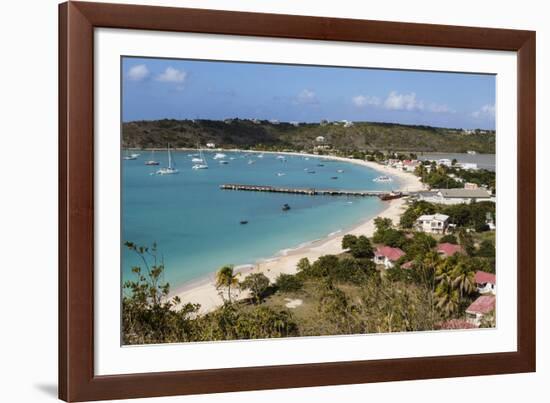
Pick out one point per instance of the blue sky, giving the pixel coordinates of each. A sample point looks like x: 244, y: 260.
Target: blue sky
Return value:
x: 187, y: 89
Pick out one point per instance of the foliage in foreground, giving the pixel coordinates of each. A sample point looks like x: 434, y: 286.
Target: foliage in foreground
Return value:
x: 342, y: 294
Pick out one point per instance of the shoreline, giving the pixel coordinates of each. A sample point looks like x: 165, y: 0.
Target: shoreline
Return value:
x: 203, y: 291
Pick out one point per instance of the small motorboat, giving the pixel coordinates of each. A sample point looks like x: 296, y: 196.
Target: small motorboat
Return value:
x: 152, y: 161
x: 383, y: 178
x: 310, y: 172
x: 285, y: 207
x: 224, y: 162
x: 131, y: 157
x: 243, y: 222
x: 339, y: 171
x: 333, y: 177
x: 320, y: 165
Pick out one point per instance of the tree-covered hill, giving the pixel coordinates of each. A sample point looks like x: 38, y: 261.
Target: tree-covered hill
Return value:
x: 278, y: 136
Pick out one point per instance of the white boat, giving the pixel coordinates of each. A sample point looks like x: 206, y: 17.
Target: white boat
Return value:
x: 133, y: 156
x: 219, y: 156
x: 339, y: 171
x: 171, y: 168
x: 152, y: 161
x: 202, y: 164
x: 306, y: 158
x: 280, y: 174
x: 383, y: 178
x: 260, y: 156
x: 281, y: 157
x: 224, y: 162
x: 197, y: 160
x: 250, y: 162
x: 471, y: 152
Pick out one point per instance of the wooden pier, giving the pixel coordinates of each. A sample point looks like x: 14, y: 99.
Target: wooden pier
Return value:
x: 307, y: 191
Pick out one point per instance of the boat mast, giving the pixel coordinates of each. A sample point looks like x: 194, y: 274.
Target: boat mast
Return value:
x: 169, y: 158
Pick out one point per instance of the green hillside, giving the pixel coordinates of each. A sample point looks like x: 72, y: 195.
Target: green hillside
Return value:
x: 279, y: 136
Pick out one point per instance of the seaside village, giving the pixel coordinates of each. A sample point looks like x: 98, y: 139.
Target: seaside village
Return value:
x: 477, y: 197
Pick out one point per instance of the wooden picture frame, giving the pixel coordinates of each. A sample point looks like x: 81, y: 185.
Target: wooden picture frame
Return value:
x: 77, y: 21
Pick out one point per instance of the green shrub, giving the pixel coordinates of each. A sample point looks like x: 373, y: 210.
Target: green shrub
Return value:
x: 288, y: 283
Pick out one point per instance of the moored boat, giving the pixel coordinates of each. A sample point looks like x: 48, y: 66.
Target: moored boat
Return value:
x: 171, y: 168
x: 152, y: 161
x: 382, y: 178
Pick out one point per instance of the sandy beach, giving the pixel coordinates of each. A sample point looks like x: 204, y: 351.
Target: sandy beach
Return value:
x: 204, y: 292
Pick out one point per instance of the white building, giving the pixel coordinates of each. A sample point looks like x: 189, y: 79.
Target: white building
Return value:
x: 469, y: 166
x: 347, y: 123
x: 432, y: 223
x: 320, y: 139
x: 456, y: 196
x: 210, y: 145
x: 445, y: 161
x: 410, y: 165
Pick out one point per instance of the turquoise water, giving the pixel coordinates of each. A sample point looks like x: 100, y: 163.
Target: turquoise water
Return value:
x: 197, y: 225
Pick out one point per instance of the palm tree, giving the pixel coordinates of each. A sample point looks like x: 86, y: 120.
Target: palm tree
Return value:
x: 226, y: 278
x: 447, y: 298
x: 427, y: 268
x: 463, y: 278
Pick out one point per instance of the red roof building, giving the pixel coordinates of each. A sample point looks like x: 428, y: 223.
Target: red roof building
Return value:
x: 392, y: 254
x: 448, y: 249
x: 387, y: 255
x: 482, y: 305
x: 486, y: 282
x: 482, y: 277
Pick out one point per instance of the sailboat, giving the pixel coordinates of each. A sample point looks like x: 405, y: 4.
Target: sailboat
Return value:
x: 203, y: 164
x: 152, y: 161
x: 171, y: 169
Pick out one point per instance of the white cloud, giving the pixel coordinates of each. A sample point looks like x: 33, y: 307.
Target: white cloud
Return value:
x: 172, y: 75
x: 486, y: 111
x: 306, y: 97
x: 408, y: 102
x: 138, y: 73
x: 365, y: 100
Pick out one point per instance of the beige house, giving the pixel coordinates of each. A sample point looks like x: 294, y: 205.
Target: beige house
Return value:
x: 432, y: 223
